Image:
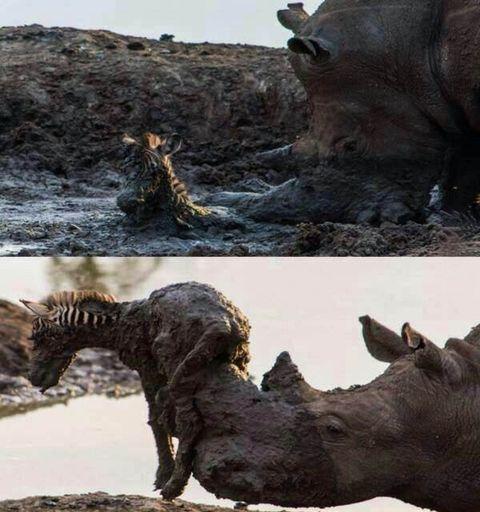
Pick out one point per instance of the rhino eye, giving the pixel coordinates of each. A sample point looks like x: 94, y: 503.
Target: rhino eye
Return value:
x: 346, y: 145
x: 334, y: 430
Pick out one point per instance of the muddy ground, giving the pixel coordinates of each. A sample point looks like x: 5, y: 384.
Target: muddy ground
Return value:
x: 93, y: 372
x: 67, y: 98
x: 101, y: 502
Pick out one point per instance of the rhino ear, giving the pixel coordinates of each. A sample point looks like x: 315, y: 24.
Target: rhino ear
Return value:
x: 382, y: 343
x: 429, y: 357
x: 413, y: 339
x: 294, y: 17
x: 37, y: 308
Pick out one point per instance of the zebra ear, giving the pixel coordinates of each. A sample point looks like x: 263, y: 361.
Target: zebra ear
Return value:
x: 173, y: 144
x: 37, y: 308
x: 129, y: 141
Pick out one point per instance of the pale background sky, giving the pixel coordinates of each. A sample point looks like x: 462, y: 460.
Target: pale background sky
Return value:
x: 309, y: 307
x: 218, y: 21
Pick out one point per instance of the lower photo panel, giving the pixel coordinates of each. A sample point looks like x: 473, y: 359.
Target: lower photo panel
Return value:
x: 227, y: 382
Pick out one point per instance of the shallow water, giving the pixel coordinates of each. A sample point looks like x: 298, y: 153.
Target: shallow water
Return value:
x: 93, y: 444
x: 308, y: 307
x: 12, y: 248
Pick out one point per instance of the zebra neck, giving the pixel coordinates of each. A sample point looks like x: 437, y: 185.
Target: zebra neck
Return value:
x: 94, y: 330
x: 73, y: 316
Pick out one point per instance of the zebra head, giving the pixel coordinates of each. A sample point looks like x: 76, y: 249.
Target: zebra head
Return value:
x: 147, y: 166
x: 63, y: 324
x: 152, y: 148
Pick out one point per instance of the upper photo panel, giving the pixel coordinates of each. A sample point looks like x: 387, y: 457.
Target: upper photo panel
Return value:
x: 240, y: 127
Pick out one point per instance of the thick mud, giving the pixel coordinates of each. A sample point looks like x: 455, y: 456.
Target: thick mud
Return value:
x: 93, y: 372
x: 460, y: 239
x: 101, y: 502
x: 68, y: 96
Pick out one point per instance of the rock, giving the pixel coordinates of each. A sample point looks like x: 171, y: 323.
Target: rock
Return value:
x: 136, y: 46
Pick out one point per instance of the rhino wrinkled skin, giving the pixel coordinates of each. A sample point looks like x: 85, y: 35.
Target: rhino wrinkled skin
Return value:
x: 393, y: 88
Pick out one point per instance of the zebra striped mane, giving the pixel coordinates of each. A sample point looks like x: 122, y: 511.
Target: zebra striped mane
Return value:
x: 69, y: 299
x: 66, y: 309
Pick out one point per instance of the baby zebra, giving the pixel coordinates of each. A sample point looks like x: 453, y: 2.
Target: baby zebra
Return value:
x: 170, y: 339
x: 152, y: 190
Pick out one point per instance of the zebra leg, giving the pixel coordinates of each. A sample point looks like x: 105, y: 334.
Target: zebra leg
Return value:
x: 163, y: 441
x: 189, y: 427
x: 188, y: 424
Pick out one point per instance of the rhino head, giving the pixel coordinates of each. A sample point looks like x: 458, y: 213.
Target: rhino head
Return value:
x: 412, y: 433
x: 372, y: 75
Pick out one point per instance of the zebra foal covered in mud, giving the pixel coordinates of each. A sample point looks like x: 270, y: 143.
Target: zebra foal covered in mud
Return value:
x: 152, y: 190
x: 170, y: 339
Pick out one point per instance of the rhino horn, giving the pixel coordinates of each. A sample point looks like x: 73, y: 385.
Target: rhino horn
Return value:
x: 382, y: 343
x: 294, y: 17
x: 428, y: 356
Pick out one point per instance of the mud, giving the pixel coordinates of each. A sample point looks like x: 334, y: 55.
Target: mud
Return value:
x: 388, y: 240
x: 101, y: 502
x: 68, y: 96
x: 94, y: 371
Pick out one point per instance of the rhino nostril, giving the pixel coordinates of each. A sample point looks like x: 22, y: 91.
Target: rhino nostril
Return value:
x: 308, y: 46
x: 302, y: 45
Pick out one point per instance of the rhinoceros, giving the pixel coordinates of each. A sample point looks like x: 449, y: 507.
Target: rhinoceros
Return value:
x: 410, y: 434
x: 394, y: 93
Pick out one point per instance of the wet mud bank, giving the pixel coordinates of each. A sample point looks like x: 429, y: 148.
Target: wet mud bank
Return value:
x: 94, y: 371
x: 101, y: 502
x: 69, y: 96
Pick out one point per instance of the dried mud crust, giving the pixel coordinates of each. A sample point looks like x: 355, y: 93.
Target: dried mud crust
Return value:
x: 389, y: 240
x: 69, y: 95
x: 101, y: 502
x: 93, y: 372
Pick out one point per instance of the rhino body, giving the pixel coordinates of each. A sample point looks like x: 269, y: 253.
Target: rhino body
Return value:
x: 411, y: 434
x: 394, y: 94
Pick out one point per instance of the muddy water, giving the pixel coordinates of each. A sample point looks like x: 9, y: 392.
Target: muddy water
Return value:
x: 309, y: 307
